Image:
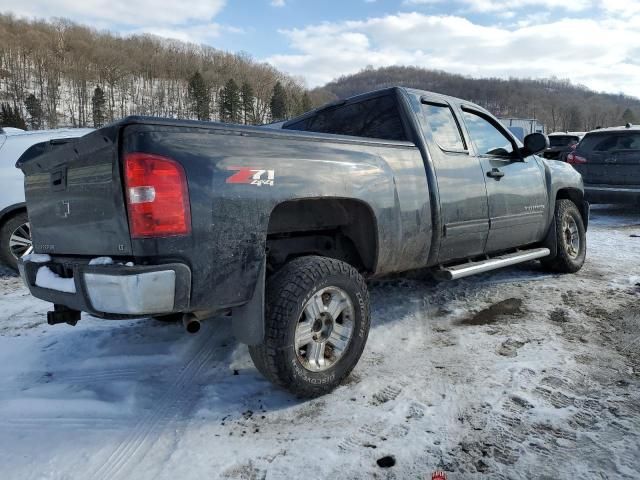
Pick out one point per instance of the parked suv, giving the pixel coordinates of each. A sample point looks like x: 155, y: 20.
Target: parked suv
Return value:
x: 609, y: 161
x: 15, y: 234
x: 562, y: 144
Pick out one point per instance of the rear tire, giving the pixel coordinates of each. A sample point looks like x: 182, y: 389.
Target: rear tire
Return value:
x: 316, y: 325
x: 17, y: 226
x: 571, y: 239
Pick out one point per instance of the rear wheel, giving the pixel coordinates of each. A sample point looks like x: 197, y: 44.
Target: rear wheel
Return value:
x: 15, y: 239
x: 571, y: 239
x: 316, y: 325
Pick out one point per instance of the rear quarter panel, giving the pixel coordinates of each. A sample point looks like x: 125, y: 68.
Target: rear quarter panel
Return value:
x: 230, y: 220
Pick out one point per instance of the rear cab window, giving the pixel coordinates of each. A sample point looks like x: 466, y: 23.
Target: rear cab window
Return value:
x: 377, y: 117
x: 444, y: 127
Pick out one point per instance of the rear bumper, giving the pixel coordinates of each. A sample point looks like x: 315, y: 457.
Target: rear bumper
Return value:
x: 612, y: 193
x: 112, y: 291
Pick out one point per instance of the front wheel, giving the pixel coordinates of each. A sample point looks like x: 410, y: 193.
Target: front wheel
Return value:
x: 316, y: 325
x: 571, y: 239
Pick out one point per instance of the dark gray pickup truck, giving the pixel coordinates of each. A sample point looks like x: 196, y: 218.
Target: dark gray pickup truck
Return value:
x: 279, y: 227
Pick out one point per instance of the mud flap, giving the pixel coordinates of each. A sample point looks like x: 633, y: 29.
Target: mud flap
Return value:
x: 586, y: 213
x: 551, y: 240
x: 248, y: 319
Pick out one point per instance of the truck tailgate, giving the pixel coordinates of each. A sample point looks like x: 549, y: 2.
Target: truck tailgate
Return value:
x: 74, y: 196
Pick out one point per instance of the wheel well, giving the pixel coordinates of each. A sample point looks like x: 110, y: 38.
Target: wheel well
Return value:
x: 11, y: 211
x: 577, y: 197
x: 344, y: 229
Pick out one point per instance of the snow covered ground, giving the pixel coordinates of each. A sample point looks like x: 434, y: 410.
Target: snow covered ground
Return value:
x: 514, y: 374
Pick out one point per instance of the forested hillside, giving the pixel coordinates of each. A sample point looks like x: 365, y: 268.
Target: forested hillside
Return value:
x: 55, y: 74
x: 559, y: 104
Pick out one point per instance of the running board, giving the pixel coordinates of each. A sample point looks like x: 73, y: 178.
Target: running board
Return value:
x: 471, y: 268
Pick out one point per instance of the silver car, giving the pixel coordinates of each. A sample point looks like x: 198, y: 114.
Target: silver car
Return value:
x: 15, y: 237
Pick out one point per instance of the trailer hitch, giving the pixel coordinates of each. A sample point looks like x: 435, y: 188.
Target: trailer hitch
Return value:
x: 62, y: 314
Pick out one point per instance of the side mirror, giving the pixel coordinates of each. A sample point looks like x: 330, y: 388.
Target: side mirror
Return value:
x: 534, y: 143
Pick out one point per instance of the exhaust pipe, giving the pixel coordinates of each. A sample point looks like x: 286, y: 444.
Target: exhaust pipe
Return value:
x: 191, y: 323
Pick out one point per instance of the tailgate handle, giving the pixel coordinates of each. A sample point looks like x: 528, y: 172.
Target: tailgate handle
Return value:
x: 59, y: 180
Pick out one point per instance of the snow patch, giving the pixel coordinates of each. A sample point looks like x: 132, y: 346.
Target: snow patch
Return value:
x: 37, y: 258
x: 101, y: 261
x: 108, y: 261
x: 45, y: 278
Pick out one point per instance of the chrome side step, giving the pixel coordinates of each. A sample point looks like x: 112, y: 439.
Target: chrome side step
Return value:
x: 471, y: 268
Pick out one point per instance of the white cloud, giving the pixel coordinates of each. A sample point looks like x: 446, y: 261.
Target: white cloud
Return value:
x: 497, y: 6
x: 278, y: 3
x: 119, y: 12
x: 500, y: 5
x: 200, y: 33
x: 595, y: 53
x: 421, y: 2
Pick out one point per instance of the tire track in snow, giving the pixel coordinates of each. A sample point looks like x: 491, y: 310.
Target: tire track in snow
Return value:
x: 35, y: 424
x: 63, y: 420
x: 72, y: 377
x: 140, y: 440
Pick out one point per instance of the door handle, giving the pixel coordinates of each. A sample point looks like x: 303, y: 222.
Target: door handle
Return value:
x: 495, y: 173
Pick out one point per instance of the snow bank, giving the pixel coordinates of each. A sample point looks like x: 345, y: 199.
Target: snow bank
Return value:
x: 37, y: 258
x: 108, y: 261
x: 101, y: 261
x: 45, y: 278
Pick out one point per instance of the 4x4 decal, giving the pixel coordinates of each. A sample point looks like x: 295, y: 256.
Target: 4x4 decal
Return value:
x: 252, y: 176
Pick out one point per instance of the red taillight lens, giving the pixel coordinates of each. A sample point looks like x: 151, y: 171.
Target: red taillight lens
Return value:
x: 157, y: 196
x: 574, y: 159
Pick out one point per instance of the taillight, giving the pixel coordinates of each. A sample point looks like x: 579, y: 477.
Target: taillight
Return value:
x: 157, y: 196
x: 574, y: 159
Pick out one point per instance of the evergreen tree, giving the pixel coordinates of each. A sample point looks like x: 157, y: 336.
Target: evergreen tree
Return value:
x: 248, y: 97
x: 98, y: 101
x: 628, y: 116
x: 11, y: 117
x: 278, y: 103
x: 230, y: 102
x: 34, y: 109
x: 198, y: 92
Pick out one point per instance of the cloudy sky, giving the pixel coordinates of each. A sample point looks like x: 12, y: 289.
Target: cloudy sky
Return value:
x: 595, y: 43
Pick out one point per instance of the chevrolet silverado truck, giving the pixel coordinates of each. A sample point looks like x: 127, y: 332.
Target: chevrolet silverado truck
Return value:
x: 278, y: 228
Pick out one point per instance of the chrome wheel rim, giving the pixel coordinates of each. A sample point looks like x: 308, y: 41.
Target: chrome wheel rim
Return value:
x: 571, y: 236
x: 20, y: 241
x: 324, y: 329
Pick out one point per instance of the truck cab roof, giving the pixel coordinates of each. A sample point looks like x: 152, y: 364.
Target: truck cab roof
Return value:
x: 382, y: 91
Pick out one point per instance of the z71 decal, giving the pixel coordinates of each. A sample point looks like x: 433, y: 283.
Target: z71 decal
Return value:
x: 252, y: 176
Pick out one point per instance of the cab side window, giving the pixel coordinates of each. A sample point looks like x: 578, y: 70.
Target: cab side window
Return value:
x: 444, y: 127
x: 488, y: 140
x: 374, y: 118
